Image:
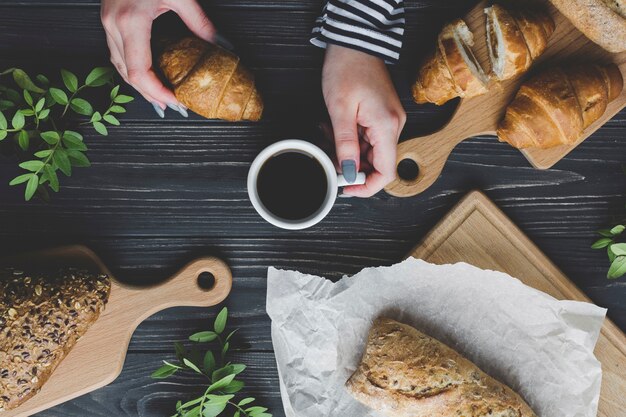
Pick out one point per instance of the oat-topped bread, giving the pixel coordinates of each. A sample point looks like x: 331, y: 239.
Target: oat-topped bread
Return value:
x: 405, y: 373
x: 41, y: 318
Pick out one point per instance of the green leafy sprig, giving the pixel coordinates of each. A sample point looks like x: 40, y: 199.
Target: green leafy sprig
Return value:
x: 615, y: 249
x: 31, y: 113
x: 222, y: 385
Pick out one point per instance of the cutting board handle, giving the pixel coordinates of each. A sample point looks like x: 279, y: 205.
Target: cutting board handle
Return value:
x: 184, y: 288
x: 431, y: 152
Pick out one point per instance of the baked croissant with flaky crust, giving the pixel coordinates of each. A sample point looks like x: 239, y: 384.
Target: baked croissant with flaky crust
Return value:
x: 515, y: 38
x: 556, y: 106
x: 452, y: 69
x: 210, y: 80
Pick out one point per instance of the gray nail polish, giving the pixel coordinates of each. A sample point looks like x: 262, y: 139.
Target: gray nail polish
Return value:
x: 345, y: 195
x: 158, y: 110
x: 348, y: 168
x: 180, y: 109
x: 223, y: 42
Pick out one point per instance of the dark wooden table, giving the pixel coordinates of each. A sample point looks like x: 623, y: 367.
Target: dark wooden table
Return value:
x: 163, y: 191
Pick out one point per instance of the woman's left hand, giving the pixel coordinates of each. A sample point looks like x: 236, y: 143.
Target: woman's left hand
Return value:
x: 366, y: 115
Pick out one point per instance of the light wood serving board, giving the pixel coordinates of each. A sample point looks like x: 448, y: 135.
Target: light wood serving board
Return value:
x: 478, y: 233
x: 481, y: 115
x: 98, y: 357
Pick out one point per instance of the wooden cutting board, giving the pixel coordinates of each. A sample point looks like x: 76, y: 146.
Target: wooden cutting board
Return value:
x: 477, y: 232
x: 481, y: 115
x: 98, y: 357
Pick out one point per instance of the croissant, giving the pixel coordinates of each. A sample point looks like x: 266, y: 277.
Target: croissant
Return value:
x: 556, y: 106
x: 515, y: 38
x: 210, y: 80
x: 452, y: 69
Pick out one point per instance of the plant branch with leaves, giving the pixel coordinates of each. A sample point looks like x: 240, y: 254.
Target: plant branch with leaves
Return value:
x: 220, y: 373
x: 32, y: 114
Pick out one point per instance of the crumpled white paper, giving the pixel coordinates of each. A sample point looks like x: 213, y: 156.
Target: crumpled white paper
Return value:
x: 539, y: 346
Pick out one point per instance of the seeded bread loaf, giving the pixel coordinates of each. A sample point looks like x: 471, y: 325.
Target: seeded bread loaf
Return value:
x: 41, y: 318
x: 405, y: 373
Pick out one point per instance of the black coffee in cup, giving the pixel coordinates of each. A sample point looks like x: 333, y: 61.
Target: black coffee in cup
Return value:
x: 292, y: 185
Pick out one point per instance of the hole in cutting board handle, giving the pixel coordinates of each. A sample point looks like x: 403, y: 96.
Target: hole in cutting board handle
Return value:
x: 408, y: 169
x: 206, y: 281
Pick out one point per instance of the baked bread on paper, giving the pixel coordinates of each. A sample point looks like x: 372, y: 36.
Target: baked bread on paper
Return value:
x: 405, y: 373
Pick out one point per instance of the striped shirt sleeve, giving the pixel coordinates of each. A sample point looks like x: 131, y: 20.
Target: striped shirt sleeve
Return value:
x: 372, y: 26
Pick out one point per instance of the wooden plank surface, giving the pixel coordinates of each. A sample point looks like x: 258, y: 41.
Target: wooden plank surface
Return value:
x: 477, y: 232
x: 161, y: 192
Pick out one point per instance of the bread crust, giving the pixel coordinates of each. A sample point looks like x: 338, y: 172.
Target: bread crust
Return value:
x: 405, y: 373
x: 210, y: 80
x: 554, y: 107
x: 599, y: 21
x: 42, y: 316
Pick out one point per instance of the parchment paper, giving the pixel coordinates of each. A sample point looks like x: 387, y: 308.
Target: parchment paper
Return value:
x: 539, y: 346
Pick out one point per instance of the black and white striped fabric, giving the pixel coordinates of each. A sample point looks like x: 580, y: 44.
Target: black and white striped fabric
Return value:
x: 372, y: 26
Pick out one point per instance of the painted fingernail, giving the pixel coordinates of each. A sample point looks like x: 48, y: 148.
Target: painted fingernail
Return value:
x: 348, y: 168
x: 158, y: 110
x: 223, y: 42
x: 179, y: 108
x: 345, y: 195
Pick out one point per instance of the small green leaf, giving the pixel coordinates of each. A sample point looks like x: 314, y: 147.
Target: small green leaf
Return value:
x: 23, y: 80
x: 117, y: 109
x: 3, y: 121
x: 43, y: 154
x: 42, y: 79
x: 255, y: 410
x: 34, y: 165
x: 163, y: 372
x: 617, y: 230
x: 40, y: 104
x: 3, y: 134
x: 602, y: 243
x: 77, y: 158
x: 605, y: 233
x: 222, y: 372
x: 213, y: 410
x: 209, y: 362
x: 230, y: 335
x: 31, y: 187
x: 27, y: 112
x: 619, y: 249
x: 225, y: 348
x: 221, y: 383
x: 51, y: 137
x: 122, y: 99
x: 220, y: 321
x: 59, y: 96
x: 21, y: 179
x: 234, y: 387
x: 100, y: 128
x: 44, y: 113
x: 203, y: 337
x: 70, y: 80
x: 23, y: 139
x: 6, y: 104
x: 73, y: 141
x: 62, y: 161
x: 81, y: 106
x: 180, y: 351
x: 245, y: 401
x: 111, y: 119
x: 237, y: 413
x: 52, y: 177
x: 99, y: 76
x: 28, y: 98
x: 18, y: 121
x: 618, y: 268
x: 191, y: 365
x: 96, y: 117
x: 114, y: 92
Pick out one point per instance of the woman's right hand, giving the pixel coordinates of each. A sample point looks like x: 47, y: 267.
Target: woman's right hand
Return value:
x: 128, y: 26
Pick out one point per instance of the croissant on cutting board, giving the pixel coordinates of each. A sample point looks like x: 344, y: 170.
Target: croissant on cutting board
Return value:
x: 556, y: 106
x: 452, y: 70
x: 515, y: 38
x: 210, y: 80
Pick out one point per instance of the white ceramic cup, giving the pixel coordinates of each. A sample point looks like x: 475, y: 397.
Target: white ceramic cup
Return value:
x: 334, y: 181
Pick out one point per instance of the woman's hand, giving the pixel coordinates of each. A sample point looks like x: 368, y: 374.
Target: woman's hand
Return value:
x: 128, y: 25
x: 363, y: 104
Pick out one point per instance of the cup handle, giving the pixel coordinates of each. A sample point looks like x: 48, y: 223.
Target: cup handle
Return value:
x: 360, y: 179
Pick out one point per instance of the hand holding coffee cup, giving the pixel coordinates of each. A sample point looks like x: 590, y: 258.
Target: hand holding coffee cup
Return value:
x: 293, y: 184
